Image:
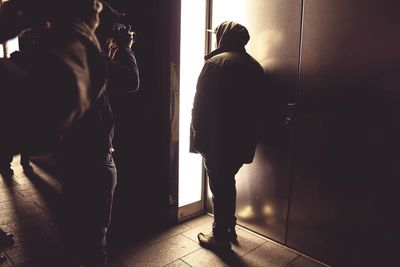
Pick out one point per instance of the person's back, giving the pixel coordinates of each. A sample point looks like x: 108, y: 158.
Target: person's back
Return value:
x: 56, y: 85
x: 225, y: 113
x: 225, y: 122
x: 237, y: 93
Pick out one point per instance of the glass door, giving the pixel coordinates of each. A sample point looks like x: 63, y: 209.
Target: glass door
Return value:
x: 192, y: 48
x: 10, y: 46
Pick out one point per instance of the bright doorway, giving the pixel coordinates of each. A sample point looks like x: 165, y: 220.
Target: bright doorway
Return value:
x: 192, y: 48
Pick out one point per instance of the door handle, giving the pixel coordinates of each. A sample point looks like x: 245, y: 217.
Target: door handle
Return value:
x: 290, y: 111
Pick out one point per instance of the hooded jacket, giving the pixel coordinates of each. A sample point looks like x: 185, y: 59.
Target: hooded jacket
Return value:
x: 54, y: 86
x: 225, y: 114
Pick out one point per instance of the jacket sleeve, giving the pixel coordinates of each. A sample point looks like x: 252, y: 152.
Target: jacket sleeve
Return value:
x: 123, y: 73
x: 203, y: 105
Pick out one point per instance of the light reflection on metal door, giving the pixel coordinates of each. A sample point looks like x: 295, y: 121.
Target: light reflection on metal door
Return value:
x: 263, y: 186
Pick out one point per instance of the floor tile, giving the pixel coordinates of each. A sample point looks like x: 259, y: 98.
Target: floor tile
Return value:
x: 167, y: 234
x: 178, y: 263
x: 199, y: 221
x: 203, y: 257
x: 305, y: 262
x: 252, y: 237
x: 269, y: 254
x: 243, y: 246
x: 162, y: 253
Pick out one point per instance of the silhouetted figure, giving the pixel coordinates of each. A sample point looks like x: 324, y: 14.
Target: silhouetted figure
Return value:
x: 61, y: 95
x: 85, y: 155
x: 29, y: 41
x: 225, y: 123
x: 116, y: 40
x: 62, y: 80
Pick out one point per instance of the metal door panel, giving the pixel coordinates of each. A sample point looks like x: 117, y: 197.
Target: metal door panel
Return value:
x: 342, y: 207
x: 263, y: 186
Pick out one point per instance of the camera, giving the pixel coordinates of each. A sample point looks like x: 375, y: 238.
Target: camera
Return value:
x: 122, y: 35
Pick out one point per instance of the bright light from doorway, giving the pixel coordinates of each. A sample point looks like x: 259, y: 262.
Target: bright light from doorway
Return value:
x: 237, y: 11
x: 12, y: 46
x: 192, y: 53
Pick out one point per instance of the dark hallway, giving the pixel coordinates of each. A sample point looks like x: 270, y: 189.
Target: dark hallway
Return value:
x: 29, y: 205
x: 323, y: 183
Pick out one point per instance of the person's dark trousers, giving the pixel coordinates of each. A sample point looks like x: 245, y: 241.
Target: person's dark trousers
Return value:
x: 5, y: 161
x: 24, y: 159
x: 88, y: 189
x: 221, y: 173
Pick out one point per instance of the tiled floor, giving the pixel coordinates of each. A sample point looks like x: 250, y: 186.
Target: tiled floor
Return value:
x: 28, y: 209
x: 179, y: 247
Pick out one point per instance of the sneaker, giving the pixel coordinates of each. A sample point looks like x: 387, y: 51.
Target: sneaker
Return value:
x: 213, y: 243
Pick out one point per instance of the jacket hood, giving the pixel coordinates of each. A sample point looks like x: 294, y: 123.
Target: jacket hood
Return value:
x: 231, y: 34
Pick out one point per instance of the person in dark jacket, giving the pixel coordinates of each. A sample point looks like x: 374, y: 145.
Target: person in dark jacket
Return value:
x: 117, y: 40
x: 86, y: 162
x: 29, y: 42
x: 225, y: 123
x: 63, y: 79
x: 63, y: 107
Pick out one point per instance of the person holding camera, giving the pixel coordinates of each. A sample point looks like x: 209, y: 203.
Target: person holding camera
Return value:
x: 116, y: 40
x: 121, y: 88
x: 85, y: 156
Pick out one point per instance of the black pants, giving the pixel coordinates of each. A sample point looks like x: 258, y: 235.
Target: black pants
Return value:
x: 88, y: 189
x: 6, y: 159
x: 221, y: 172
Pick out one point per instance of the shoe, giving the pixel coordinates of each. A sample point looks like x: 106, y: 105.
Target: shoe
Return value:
x: 27, y: 168
x: 6, y: 238
x: 232, y: 236
x: 6, y: 172
x: 3, y: 258
x: 212, y: 243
